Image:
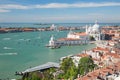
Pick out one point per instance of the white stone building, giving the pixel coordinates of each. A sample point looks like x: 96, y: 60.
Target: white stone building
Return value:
x: 95, y: 31
x: 72, y: 38
x: 77, y: 38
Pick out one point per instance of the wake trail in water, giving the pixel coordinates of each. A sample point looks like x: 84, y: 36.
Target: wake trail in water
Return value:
x: 6, y: 38
x: 5, y: 54
x: 7, y: 48
x: 23, y: 39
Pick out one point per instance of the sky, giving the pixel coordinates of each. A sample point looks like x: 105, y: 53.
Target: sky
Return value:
x: 60, y: 11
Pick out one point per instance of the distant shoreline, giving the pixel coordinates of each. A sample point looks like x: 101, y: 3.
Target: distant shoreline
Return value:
x: 32, y: 29
x: 59, y: 23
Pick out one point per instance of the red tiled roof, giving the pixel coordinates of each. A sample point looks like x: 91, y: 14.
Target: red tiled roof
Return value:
x: 113, y: 55
x: 82, y: 55
x: 80, y: 33
x: 100, y: 72
x: 100, y: 49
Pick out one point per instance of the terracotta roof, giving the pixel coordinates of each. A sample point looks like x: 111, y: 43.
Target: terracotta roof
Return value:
x: 100, y: 49
x: 115, y: 36
x: 82, y: 55
x: 2, y: 29
x: 101, y: 72
x: 28, y: 29
x: 113, y: 55
x: 104, y: 57
x: 116, y: 49
x: 95, y: 59
x: 110, y: 41
x: 80, y: 33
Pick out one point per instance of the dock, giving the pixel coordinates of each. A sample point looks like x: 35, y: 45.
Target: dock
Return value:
x: 40, y: 68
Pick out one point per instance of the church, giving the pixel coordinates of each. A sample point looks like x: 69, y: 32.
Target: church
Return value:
x: 95, y: 32
x: 78, y: 38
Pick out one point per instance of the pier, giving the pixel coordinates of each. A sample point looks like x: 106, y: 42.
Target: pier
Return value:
x: 40, y: 68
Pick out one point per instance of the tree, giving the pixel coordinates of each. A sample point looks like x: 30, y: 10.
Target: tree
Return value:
x: 86, y: 64
x: 48, y: 74
x: 32, y: 76
x: 92, y: 38
x: 66, y: 64
x: 69, y: 68
x: 35, y: 77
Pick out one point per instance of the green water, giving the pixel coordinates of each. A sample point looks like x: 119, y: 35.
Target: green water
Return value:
x: 19, y: 51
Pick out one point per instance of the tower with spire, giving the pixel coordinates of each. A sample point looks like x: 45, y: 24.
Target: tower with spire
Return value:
x: 52, y: 41
x: 86, y: 29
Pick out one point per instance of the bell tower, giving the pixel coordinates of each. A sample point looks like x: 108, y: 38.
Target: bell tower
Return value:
x: 51, y: 41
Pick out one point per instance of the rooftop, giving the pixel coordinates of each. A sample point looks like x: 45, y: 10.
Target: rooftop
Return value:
x: 100, y: 49
x: 102, y: 72
x: 80, y: 33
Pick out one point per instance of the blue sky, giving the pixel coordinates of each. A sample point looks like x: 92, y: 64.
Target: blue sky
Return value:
x: 60, y: 11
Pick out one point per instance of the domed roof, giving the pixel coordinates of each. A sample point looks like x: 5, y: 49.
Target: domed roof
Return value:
x: 90, y: 29
x: 96, y: 26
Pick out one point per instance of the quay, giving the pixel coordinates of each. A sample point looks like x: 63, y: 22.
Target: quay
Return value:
x: 39, y: 68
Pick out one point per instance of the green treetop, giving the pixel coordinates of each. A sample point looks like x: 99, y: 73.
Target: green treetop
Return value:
x: 86, y: 64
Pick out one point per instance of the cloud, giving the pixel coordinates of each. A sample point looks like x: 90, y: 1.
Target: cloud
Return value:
x: 13, y: 6
x: 54, y: 5
x: 3, y: 10
x: 8, y: 7
x: 76, y: 5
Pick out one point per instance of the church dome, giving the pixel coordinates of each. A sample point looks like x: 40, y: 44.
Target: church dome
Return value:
x: 96, y: 27
x: 90, y: 29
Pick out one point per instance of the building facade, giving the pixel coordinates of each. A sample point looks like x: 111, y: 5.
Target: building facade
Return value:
x: 72, y: 38
x: 77, y: 38
x: 95, y: 31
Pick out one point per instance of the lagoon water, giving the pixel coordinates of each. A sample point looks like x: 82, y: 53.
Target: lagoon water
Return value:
x: 19, y: 51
